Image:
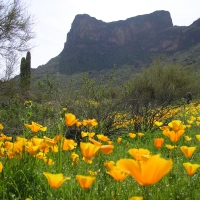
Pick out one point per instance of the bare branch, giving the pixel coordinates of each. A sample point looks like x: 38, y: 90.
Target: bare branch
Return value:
x: 16, y: 32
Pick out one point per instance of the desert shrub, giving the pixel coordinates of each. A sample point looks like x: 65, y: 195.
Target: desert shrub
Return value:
x: 157, y: 87
x: 14, y: 115
x: 95, y: 99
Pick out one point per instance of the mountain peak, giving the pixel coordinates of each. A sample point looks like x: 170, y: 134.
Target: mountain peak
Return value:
x: 85, y: 27
x: 95, y: 45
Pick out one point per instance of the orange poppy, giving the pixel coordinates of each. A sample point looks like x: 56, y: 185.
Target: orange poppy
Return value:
x: 109, y: 164
x: 177, y: 130
x: 187, y: 151
x: 1, y: 166
x: 85, y: 181
x: 140, y: 154
x: 35, y: 127
x: 55, y: 180
x: 103, y: 137
x: 119, y: 140
x: 132, y: 135
x: 95, y: 142
x: 191, y: 168
x: 90, y: 122
x: 107, y: 149
x: 146, y: 173
x: 117, y: 174
x: 70, y: 119
x: 88, y: 150
x: 158, y: 142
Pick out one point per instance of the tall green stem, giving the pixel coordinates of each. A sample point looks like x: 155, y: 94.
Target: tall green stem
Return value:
x: 146, y: 192
x: 190, y: 187
x: 59, y: 157
x: 3, y: 179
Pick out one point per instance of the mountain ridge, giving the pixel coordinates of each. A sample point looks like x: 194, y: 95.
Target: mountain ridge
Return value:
x: 94, y: 45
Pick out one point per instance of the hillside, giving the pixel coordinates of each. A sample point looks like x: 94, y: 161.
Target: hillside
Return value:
x: 95, y: 46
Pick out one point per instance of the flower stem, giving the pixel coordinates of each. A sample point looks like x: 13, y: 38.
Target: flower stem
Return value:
x: 3, y: 179
x: 146, y: 191
x: 190, y: 192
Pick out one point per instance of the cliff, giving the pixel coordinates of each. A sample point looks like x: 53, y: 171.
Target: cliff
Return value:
x: 117, y: 33
x: 95, y: 45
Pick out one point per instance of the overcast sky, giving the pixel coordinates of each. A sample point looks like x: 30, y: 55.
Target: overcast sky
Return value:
x: 54, y: 18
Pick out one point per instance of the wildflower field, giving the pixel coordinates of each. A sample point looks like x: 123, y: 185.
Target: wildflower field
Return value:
x: 72, y: 159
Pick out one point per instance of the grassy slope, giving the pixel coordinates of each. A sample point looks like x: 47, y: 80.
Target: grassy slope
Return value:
x: 122, y: 73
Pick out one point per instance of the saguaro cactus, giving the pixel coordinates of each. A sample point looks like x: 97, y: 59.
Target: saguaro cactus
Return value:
x: 25, y: 71
x: 28, y: 69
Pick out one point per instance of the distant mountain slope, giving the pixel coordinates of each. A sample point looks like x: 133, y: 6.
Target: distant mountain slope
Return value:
x: 93, y: 45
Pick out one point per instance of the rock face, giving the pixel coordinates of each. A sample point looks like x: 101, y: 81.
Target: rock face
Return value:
x: 118, y: 33
x: 93, y: 44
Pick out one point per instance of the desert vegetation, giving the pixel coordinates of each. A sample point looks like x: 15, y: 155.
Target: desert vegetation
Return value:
x: 102, y: 140
x: 124, y: 134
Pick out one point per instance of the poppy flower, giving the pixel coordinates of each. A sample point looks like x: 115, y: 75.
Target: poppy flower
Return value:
x: 1, y: 126
x: 170, y: 147
x: 95, y: 142
x: 119, y: 140
x: 107, y: 149
x: 40, y: 155
x: 197, y: 123
x: 17, y: 146
x: 191, y: 168
x: 93, y: 173
x: 103, y: 137
x: 32, y: 149
x: 5, y: 138
x: 35, y: 127
x: 140, y: 134
x: 117, y: 174
x: 88, y: 150
x: 85, y: 181
x: 75, y: 158
x: 198, y: 137
x: 132, y: 135
x: 187, y: 138
x: 37, y: 141
x: 78, y: 124
x: 85, y: 134
x: 54, y: 148
x: 109, y: 164
x: 157, y: 123
x: 187, y: 151
x: 174, y: 130
x: 70, y: 119
x: 90, y: 122
x: 146, y: 173
x: 176, y: 125
x: 1, y: 166
x: 136, y: 198
x: 55, y: 180
x: 50, y: 141
x: 192, y: 118
x: 44, y: 147
x: 140, y: 154
x: 173, y: 136
x: 158, y: 142
x: 109, y: 142
x: 48, y: 161
x: 68, y: 144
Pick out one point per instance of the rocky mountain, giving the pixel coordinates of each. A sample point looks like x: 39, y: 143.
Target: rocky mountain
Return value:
x: 96, y: 45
